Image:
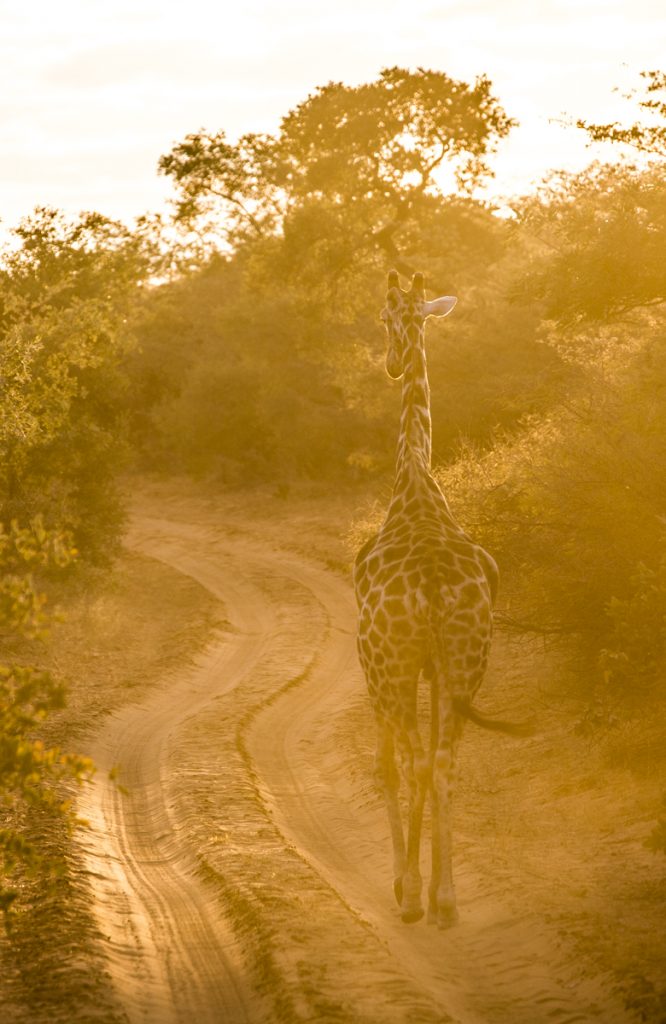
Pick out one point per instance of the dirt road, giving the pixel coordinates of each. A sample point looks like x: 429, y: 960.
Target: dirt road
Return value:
x: 245, y: 874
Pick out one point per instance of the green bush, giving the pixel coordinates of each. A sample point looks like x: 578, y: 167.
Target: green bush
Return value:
x: 30, y: 772
x: 573, y: 507
x: 66, y: 294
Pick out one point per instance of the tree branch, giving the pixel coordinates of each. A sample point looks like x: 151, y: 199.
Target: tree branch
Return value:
x: 232, y: 199
x: 384, y: 239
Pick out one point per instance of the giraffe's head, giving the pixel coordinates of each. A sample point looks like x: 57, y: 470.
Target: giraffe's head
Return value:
x: 404, y: 315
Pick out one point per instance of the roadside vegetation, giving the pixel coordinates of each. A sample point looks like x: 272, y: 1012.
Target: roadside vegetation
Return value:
x: 240, y: 344
x: 66, y: 291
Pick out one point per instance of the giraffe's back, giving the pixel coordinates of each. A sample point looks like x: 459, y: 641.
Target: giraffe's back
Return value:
x: 425, y: 593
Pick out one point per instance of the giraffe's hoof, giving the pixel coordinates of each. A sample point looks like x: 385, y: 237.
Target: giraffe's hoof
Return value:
x: 397, y: 890
x: 447, y: 915
x: 412, y: 916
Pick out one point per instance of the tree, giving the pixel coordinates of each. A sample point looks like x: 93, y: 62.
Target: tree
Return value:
x: 367, y: 155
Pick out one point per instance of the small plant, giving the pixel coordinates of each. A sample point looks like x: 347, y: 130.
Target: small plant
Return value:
x: 638, y: 641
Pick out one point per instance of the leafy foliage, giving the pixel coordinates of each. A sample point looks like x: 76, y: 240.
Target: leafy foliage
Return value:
x: 648, y: 138
x: 386, y: 138
x: 573, y: 506
x: 208, y: 170
x: 574, y: 501
x: 66, y: 293
x: 599, y: 237
x: 29, y: 771
x: 638, y: 637
x: 359, y: 162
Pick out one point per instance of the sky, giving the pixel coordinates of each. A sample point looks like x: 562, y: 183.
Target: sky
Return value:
x: 93, y: 92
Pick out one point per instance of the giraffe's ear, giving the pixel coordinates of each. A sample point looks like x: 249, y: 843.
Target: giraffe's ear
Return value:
x: 439, y: 307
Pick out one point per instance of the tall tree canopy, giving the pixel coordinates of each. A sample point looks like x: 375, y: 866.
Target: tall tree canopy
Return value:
x: 369, y: 155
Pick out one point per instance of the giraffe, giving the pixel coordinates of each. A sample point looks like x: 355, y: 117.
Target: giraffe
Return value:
x: 425, y: 593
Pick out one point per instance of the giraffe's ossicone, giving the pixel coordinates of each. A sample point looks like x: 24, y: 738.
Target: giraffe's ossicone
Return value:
x: 425, y: 593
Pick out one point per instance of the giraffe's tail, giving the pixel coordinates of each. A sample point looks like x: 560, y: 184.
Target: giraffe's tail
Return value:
x: 464, y: 708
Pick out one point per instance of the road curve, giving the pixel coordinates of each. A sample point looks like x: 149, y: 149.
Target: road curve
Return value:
x: 173, y: 957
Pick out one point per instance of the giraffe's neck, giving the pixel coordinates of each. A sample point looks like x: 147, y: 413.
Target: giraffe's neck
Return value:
x: 415, y: 437
x: 413, y: 475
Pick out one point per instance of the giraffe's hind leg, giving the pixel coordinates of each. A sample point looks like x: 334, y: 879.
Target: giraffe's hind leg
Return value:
x: 457, y: 671
x: 444, y: 736
x: 431, y: 677
x: 393, y: 696
x: 415, y: 765
x: 442, y: 897
x: 417, y: 770
x: 388, y: 783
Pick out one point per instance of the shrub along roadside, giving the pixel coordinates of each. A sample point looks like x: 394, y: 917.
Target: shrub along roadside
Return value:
x: 67, y: 290
x: 30, y: 771
x: 573, y: 507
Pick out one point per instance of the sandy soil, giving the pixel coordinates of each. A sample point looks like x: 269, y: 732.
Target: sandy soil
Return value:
x: 245, y: 876
x: 116, y: 642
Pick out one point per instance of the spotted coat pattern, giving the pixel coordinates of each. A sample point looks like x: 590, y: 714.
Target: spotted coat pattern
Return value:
x: 425, y: 593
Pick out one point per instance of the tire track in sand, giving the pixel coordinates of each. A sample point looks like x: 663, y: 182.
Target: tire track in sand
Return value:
x: 171, y: 955
x: 331, y: 965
